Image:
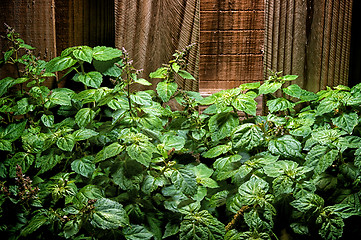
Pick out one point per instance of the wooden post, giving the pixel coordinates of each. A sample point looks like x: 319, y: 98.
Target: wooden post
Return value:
x: 231, y: 39
x: 151, y: 31
x: 309, y: 38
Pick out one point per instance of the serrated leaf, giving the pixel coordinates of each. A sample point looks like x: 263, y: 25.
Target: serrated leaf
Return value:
x: 84, y: 166
x: 84, y: 53
x: 142, y: 81
x: 109, y: 214
x: 245, y: 103
x: 216, y: 151
x: 185, y: 181
x: 47, y: 120
x: 309, y: 204
x: 60, y: 98
x: 279, y: 104
x: 175, y: 142
x: 159, y: 73
x: 141, y: 152
x: 84, y: 133
x: 321, y: 158
x: 185, y: 75
x: 34, y: 224
x: 103, y: 53
x: 47, y: 162
x: 289, y: 77
x: 327, y: 105
x: 5, y: 84
x: 224, y: 166
x: 247, y: 136
x: 200, y: 226
x: 89, y: 192
x: 136, y: 232
x: 66, y: 143
x: 109, y: 151
x: 254, y: 191
x: 166, y: 90
x: 5, y: 145
x: 346, y: 121
x: 60, y: 63
x: 13, y: 131
x: 222, y: 124
x: 170, y: 230
x: 297, y: 92
x: 84, y: 117
x: 285, y: 146
x: 269, y: 87
x: 90, y: 79
x: 142, y: 98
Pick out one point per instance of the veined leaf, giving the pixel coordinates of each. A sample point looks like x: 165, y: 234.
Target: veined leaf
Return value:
x: 200, y: 226
x: 269, y: 87
x: 84, y: 133
x: 84, y: 116
x: 346, y: 121
x: 66, y: 143
x: 136, y: 232
x: 185, y: 181
x: 254, y: 191
x: 109, y: 214
x: 60, y: 98
x: 159, y: 73
x: 141, y: 152
x: 245, y: 103
x: 60, y: 63
x: 103, y: 53
x: 47, y: 120
x: 185, y: 75
x: 84, y: 53
x: 321, y: 158
x: 216, y: 151
x: 285, y: 146
x: 109, y: 151
x: 13, y: 131
x: 222, y: 124
x: 166, y: 90
x: 142, y: 98
x: 309, y: 204
x: 327, y: 105
x: 247, y: 136
x: 175, y: 142
x: 35, y: 223
x: 279, y: 104
x: 90, y: 79
x: 84, y: 166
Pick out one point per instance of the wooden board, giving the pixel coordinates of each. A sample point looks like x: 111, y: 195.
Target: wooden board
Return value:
x: 232, y: 5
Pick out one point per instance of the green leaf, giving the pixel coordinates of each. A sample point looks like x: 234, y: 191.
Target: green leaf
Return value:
x: 309, y: 204
x: 327, y: 105
x: 66, y: 143
x: 84, y: 166
x: 141, y: 152
x: 108, y: 68
x: 269, y: 87
x: 5, y: 84
x: 48, y: 162
x: 166, y: 90
x: 159, y: 73
x: 225, y: 166
x: 321, y: 158
x: 170, y: 230
x: 251, y: 85
x: 279, y: 104
x: 84, y: 117
x: 247, y: 136
x: 24, y: 160
x: 5, y: 145
x: 84, y: 134
x: 47, y: 120
x: 71, y: 228
x: 90, y: 79
x: 185, y: 181
x: 142, y: 81
x: 34, y: 224
x: 84, y: 53
x: 285, y: 146
x: 185, y: 74
x: 346, y: 121
x: 136, y: 232
x: 90, y: 192
x: 216, y: 151
x: 331, y: 227
x: 175, y: 142
x: 60, y: 98
x: 222, y: 124
x: 254, y: 191
x: 13, y: 131
x: 297, y: 92
x: 109, y: 151
x: 60, y: 63
x: 289, y: 77
x: 245, y: 103
x: 103, y: 53
x: 109, y: 214
x: 200, y: 226
x: 142, y: 98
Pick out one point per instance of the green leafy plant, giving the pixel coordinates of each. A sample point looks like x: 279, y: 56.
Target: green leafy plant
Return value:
x: 100, y: 161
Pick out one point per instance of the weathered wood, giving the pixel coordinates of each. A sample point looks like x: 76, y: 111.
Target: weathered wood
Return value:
x: 35, y: 21
x: 232, y: 42
x: 207, y: 5
x: 152, y: 31
x: 242, y: 68
x: 232, y: 20
x: 310, y: 39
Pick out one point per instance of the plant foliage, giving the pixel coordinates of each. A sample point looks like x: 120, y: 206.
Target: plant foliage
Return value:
x: 99, y: 161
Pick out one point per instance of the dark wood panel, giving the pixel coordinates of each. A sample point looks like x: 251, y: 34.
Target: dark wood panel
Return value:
x: 232, y: 20
x: 232, y: 42
x: 230, y: 68
x: 215, y: 5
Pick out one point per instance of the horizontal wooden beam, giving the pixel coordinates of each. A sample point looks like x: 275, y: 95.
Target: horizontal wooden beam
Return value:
x: 232, y: 42
x: 207, y: 5
x: 232, y: 20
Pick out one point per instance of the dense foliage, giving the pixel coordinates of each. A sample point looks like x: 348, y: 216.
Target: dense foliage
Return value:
x: 99, y: 161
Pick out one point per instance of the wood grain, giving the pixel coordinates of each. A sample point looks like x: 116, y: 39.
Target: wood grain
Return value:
x: 232, y: 5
